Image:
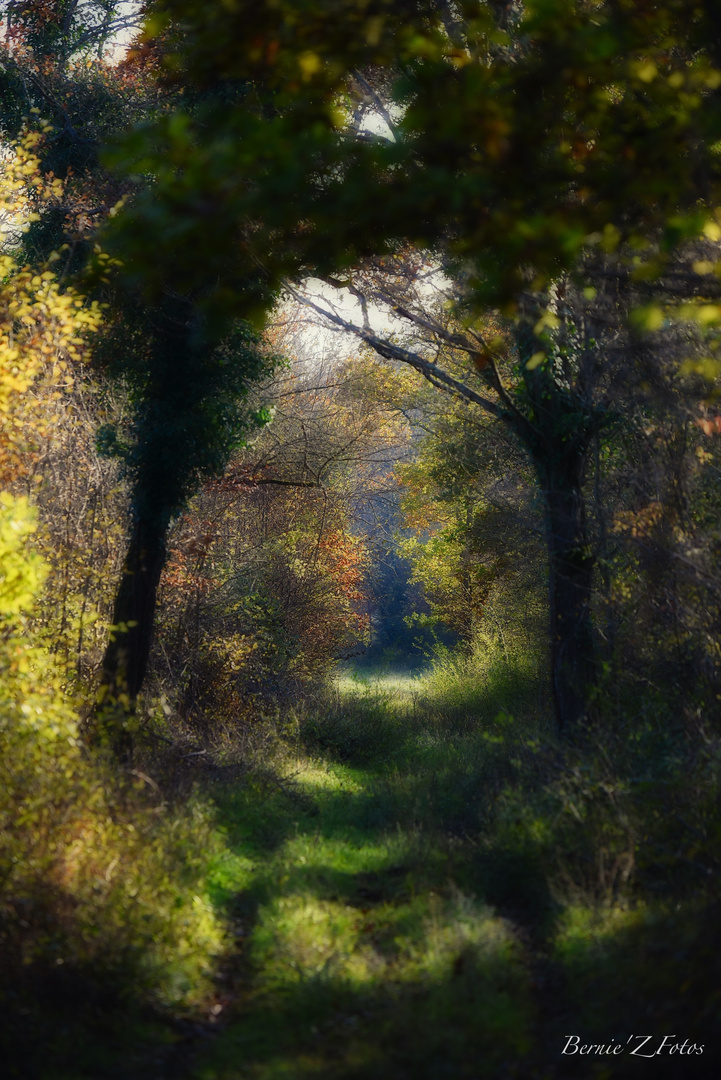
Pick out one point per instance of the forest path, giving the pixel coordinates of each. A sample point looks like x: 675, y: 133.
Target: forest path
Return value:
x: 365, y: 896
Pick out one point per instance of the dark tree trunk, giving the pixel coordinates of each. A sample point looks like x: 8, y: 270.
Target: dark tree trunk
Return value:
x: 571, y: 565
x: 128, y: 650
x: 558, y: 433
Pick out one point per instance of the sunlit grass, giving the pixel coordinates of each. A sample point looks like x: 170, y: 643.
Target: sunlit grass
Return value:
x: 370, y: 949
x: 390, y: 685
x: 316, y: 776
x: 301, y: 937
x: 391, y: 875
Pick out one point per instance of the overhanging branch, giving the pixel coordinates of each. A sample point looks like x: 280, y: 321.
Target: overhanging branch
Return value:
x: 389, y: 351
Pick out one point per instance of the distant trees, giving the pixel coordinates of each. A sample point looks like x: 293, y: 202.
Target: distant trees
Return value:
x: 66, y: 29
x: 557, y: 163
x: 471, y: 526
x: 523, y: 140
x: 570, y: 390
x: 267, y: 582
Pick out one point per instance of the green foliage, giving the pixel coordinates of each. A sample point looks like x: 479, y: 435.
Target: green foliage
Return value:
x: 95, y: 878
x: 483, y: 98
x: 377, y: 868
x: 422, y: 878
x: 603, y: 108
x: 187, y: 397
x: 408, y: 809
x: 468, y: 528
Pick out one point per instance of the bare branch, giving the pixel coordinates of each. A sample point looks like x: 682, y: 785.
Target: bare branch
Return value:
x: 389, y: 351
x: 372, y: 95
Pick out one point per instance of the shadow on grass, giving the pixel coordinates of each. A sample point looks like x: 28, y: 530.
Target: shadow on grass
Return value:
x: 69, y: 1023
x: 388, y: 886
x: 652, y: 970
x: 370, y: 948
x: 469, y: 1021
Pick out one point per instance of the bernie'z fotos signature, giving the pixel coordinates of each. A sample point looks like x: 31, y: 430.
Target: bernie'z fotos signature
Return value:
x: 635, y: 1046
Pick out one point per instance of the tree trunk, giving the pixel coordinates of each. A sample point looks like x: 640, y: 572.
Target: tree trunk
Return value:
x: 558, y: 436
x: 128, y: 650
x: 570, y: 579
x: 126, y: 656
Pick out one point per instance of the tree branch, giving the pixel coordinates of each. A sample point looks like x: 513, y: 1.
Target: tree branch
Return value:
x: 389, y: 351
x: 376, y: 101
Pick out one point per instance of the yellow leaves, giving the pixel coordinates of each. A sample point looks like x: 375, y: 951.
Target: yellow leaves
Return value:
x: 20, y: 574
x: 23, y: 187
x: 548, y: 321
x: 309, y: 64
x: 703, y: 266
x: 645, y: 70
x: 649, y: 318
x: 712, y: 231
x: 701, y: 314
x: 706, y: 314
x: 40, y: 328
x: 708, y: 367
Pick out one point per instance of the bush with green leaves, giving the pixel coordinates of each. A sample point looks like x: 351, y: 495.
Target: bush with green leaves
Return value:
x: 96, y: 876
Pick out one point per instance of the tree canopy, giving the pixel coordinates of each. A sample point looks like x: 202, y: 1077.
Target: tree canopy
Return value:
x: 521, y: 134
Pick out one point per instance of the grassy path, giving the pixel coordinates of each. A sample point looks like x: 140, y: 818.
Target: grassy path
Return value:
x: 390, y: 893
x: 360, y: 894
x: 419, y: 887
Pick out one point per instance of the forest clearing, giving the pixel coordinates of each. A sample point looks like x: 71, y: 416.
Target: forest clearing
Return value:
x: 360, y: 522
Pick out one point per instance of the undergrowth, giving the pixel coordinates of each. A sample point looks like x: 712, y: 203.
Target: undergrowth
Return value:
x: 105, y: 921
x: 410, y: 879
x: 438, y: 886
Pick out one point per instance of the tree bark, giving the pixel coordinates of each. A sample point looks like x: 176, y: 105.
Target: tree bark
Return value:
x: 571, y: 563
x: 126, y: 656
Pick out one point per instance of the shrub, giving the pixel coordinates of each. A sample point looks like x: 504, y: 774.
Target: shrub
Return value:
x: 95, y: 876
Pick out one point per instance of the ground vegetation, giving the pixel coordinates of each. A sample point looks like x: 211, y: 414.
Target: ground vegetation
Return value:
x: 360, y: 612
